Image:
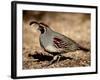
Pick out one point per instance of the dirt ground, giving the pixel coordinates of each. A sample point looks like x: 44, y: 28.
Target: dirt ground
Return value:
x: 73, y: 25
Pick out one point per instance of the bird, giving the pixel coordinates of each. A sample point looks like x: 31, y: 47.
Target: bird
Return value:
x: 54, y: 42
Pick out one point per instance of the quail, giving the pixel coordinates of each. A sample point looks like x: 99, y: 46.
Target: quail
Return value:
x: 54, y: 42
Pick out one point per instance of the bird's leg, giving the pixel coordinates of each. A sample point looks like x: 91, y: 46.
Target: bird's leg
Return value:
x: 59, y: 56
x: 54, y: 59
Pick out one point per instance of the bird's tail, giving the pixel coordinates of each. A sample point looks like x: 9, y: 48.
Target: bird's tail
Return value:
x: 84, y: 49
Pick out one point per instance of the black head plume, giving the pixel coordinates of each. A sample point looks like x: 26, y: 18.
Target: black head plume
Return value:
x: 34, y: 22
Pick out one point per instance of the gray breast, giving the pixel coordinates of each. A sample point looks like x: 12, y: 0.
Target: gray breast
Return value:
x: 46, y: 41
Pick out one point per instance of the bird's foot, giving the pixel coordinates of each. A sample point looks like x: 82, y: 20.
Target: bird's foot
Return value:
x: 55, y: 59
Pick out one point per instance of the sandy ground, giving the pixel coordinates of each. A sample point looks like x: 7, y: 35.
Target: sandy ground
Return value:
x: 73, y: 25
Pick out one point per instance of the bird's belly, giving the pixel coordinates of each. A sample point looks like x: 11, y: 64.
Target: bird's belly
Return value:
x: 51, y: 48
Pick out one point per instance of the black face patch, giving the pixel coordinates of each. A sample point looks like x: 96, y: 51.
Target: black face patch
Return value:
x: 42, y: 29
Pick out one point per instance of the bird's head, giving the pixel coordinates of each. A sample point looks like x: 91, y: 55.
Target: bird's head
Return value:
x: 41, y: 26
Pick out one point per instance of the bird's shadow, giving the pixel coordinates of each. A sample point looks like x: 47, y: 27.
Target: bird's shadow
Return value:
x: 42, y: 57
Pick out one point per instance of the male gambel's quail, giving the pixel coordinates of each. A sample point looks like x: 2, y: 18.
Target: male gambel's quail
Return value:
x: 54, y: 42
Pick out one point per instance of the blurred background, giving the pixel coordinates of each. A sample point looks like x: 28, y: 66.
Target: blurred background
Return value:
x: 73, y: 25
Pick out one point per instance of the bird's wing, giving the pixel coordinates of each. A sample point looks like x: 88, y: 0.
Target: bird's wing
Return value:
x: 59, y: 43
